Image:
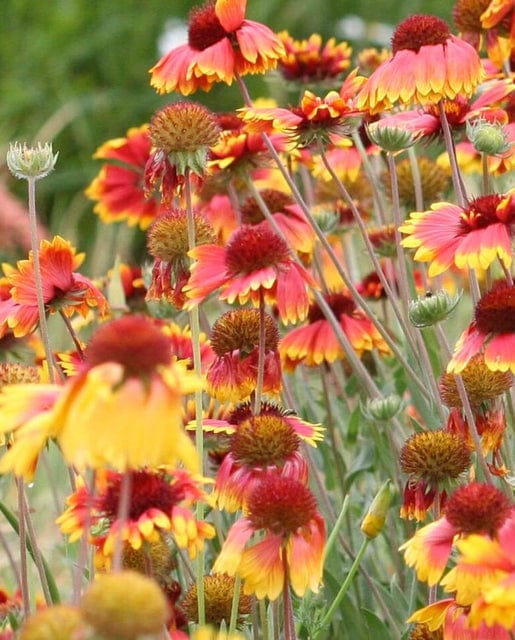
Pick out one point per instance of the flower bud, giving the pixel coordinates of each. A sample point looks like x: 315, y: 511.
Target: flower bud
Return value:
x: 30, y: 162
x: 124, y: 605
x: 61, y: 622
x: 383, y: 408
x: 373, y: 522
x: 390, y: 138
x: 488, y: 137
x: 433, y: 308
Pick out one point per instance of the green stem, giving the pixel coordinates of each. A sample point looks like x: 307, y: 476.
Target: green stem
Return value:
x: 289, y: 621
x: 258, y: 393
x: 331, y: 540
x: 13, y: 521
x: 199, y: 409
x: 451, y: 152
x: 122, y: 515
x: 24, y: 580
x: 43, y: 327
x: 345, y: 586
x: 235, y: 604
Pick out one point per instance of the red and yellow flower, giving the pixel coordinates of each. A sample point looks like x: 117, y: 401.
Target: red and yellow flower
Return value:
x: 222, y: 44
x: 160, y: 504
x: 316, y: 342
x: 492, y: 332
x: 119, y: 188
x: 256, y: 264
x: 63, y: 289
x: 292, y: 545
x: 428, y: 65
x: 473, y: 236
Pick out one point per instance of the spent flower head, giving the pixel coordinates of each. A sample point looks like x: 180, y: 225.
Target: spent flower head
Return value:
x: 27, y: 162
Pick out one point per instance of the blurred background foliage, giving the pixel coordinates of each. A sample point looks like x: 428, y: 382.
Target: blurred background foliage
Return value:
x: 76, y: 72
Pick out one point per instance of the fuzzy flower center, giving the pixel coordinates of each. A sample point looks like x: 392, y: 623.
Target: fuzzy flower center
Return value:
x: 218, y: 595
x: 148, y: 491
x: 482, y: 212
x: 275, y: 201
x: 340, y: 304
x: 478, y: 508
x: 132, y: 341
x: 253, y: 248
x: 204, y: 29
x: 467, y: 15
x: 420, y: 31
x: 167, y: 238
x: 495, y: 311
x: 239, y: 330
x: 435, y: 456
x: 281, y: 505
x: 264, y: 440
x: 184, y: 127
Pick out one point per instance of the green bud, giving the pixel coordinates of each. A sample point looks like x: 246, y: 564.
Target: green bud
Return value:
x: 327, y: 219
x: 30, y: 162
x: 488, y: 137
x: 433, y: 308
x: 373, y: 522
x: 390, y: 138
x: 384, y: 408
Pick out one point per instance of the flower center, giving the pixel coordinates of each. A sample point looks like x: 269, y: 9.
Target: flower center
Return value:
x: 477, y: 508
x: 281, y: 505
x: 495, y: 311
x: 467, y: 14
x: 420, y: 31
x: 167, y: 238
x: 239, y: 330
x: 148, y: 491
x: 435, y: 456
x: 135, y: 342
x: 263, y: 441
x: 252, y: 248
x: 340, y: 304
x: 204, y: 28
x: 481, y: 213
x: 183, y: 127
x: 275, y: 201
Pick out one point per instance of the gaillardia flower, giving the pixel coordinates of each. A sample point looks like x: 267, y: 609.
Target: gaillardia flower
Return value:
x: 168, y: 244
x: 428, y: 65
x: 221, y: 45
x: 119, y: 187
x: 316, y: 342
x: 309, y: 62
x: 256, y: 264
x: 63, y: 289
x: 473, y: 236
x: 261, y: 444
x: 492, y: 332
x: 124, y: 407
x: 432, y: 459
x: 472, y: 508
x: 218, y: 595
x: 232, y: 376
x: 160, y: 505
x: 292, y: 546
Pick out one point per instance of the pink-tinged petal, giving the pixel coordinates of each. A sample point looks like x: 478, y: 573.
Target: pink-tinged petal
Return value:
x: 216, y: 61
x: 469, y: 343
x: 231, y: 13
x: 172, y: 71
x: 259, y: 47
x: 262, y: 569
x: 207, y: 273
x: 429, y: 549
x: 230, y: 556
x: 309, y: 432
x: 479, y: 248
x: 292, y: 295
x: 242, y: 286
x: 433, y: 615
x: 500, y: 352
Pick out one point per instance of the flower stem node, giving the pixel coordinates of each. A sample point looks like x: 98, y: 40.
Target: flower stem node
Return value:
x: 384, y: 408
x: 26, y: 162
x: 488, y: 137
x: 375, y: 519
x: 432, y: 308
x: 391, y: 139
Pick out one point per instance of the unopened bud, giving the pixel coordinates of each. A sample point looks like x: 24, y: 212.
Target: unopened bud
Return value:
x: 390, y: 138
x: 383, y: 409
x: 30, y: 162
x: 432, y: 308
x: 373, y: 522
x: 488, y: 137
